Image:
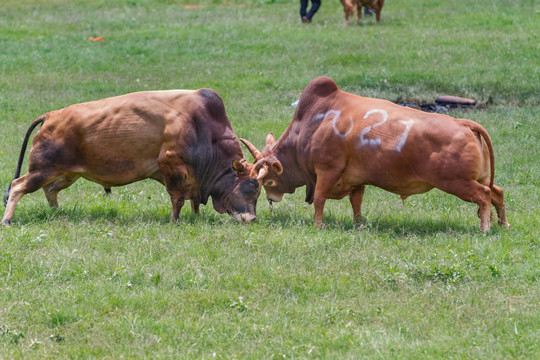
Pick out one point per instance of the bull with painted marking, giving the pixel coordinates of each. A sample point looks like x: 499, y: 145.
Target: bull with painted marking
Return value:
x: 337, y: 143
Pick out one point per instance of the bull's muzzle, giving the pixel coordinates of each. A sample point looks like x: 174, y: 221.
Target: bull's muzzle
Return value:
x: 274, y: 197
x: 244, y: 218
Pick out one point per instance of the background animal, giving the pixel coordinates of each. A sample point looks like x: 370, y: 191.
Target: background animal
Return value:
x: 337, y: 143
x: 350, y: 5
x: 181, y: 138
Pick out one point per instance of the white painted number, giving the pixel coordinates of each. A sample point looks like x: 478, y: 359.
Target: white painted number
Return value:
x: 336, y: 118
x: 375, y: 141
x: 408, y: 124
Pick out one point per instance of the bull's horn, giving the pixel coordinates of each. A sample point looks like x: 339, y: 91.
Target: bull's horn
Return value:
x: 252, y: 149
x: 262, y: 172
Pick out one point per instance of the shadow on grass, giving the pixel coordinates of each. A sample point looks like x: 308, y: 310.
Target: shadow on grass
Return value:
x: 77, y: 214
x: 382, y: 225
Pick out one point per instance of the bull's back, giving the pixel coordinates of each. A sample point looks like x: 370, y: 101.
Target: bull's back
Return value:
x: 115, y: 140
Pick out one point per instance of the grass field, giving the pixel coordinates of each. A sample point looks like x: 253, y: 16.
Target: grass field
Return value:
x: 111, y: 278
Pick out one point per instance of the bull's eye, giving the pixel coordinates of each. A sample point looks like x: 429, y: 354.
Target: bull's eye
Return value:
x: 249, y: 187
x: 270, y: 183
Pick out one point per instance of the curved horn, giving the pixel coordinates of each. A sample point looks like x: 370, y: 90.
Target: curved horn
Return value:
x: 262, y: 172
x: 252, y: 149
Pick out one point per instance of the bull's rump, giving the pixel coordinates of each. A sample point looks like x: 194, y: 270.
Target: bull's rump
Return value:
x: 114, y: 141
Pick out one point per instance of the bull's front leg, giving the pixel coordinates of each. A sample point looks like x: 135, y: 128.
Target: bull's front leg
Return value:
x: 319, y: 207
x: 326, y: 182
x: 356, y: 201
x: 195, y: 206
x: 177, y: 201
x: 175, y: 188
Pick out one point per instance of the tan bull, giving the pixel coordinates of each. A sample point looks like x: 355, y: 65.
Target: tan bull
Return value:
x: 181, y: 138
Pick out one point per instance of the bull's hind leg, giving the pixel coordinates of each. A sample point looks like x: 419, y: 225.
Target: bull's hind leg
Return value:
x: 472, y: 191
x: 26, y: 184
x: 497, y: 199
x: 52, y: 189
x: 347, y: 9
x: 378, y: 10
x: 358, y: 12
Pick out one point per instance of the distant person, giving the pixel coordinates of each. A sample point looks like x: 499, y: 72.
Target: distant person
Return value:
x: 307, y: 16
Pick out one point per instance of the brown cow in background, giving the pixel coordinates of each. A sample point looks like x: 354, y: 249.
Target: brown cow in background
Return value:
x: 181, y: 138
x: 349, y: 5
x: 338, y: 143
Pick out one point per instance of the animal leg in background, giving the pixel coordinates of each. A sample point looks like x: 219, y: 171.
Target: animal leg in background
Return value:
x: 358, y: 11
x: 378, y: 10
x: 348, y: 8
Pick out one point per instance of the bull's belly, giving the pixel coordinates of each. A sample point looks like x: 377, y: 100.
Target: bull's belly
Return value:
x: 394, y: 184
x: 121, y: 173
x: 405, y: 189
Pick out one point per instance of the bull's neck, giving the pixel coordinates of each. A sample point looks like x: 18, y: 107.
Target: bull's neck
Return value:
x: 287, y: 154
x: 216, y: 178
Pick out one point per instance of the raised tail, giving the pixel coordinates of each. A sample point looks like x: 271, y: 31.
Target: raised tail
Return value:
x: 35, y: 123
x: 483, y: 132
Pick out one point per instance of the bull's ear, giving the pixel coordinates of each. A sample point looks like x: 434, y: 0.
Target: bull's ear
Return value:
x: 270, y: 139
x: 238, y: 166
x: 277, y: 167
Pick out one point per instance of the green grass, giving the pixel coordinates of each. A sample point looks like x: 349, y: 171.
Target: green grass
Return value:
x: 111, y: 278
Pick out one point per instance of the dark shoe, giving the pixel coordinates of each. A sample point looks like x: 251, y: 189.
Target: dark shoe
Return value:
x: 305, y: 20
x: 369, y: 12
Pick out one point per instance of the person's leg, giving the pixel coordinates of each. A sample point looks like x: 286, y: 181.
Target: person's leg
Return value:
x: 315, y: 4
x: 303, y: 8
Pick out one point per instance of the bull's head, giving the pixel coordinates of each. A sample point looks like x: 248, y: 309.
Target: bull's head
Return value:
x: 269, y: 169
x: 241, y: 202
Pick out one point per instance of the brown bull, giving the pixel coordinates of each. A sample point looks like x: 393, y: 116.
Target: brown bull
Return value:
x: 349, y: 5
x: 181, y: 138
x: 338, y: 143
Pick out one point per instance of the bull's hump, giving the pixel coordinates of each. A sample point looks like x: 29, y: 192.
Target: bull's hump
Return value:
x: 169, y: 92
x: 319, y: 92
x: 321, y: 86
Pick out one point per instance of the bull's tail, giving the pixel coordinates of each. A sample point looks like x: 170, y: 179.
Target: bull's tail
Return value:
x: 36, y: 122
x: 483, y: 132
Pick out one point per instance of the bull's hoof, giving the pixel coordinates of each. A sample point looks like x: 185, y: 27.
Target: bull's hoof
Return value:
x: 6, y: 222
